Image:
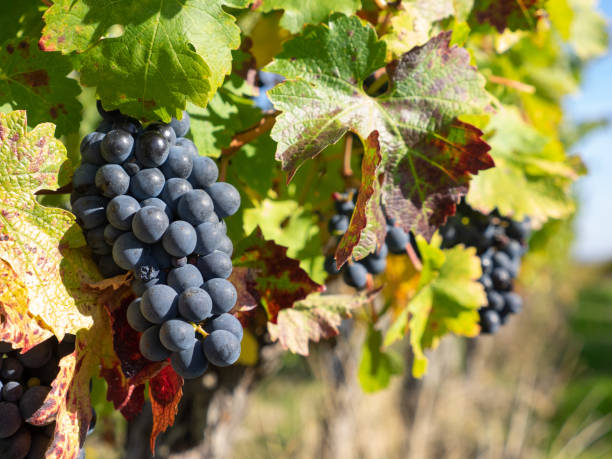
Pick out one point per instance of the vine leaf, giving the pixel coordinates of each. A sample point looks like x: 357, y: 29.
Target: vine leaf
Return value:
x: 314, y: 318
x: 377, y: 365
x: 298, y: 13
x: 367, y: 228
x: 169, y: 52
x: 447, y: 299
x: 165, y: 392
x: 40, y: 243
x: 32, y: 79
x: 533, y: 176
x: 278, y: 280
x: 428, y: 156
x: 503, y: 14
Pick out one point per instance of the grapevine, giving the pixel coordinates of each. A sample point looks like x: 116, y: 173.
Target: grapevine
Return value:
x: 183, y: 183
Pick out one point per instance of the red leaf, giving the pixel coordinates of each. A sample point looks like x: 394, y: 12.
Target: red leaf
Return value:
x: 503, y: 13
x: 165, y: 392
x: 279, y: 280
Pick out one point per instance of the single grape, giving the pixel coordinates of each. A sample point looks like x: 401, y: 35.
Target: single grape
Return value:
x: 38, y: 355
x: 10, y: 421
x: 151, y: 347
x: 513, y: 303
x: 180, y: 279
x: 190, y: 147
x: 107, y: 115
x: 355, y: 275
x: 396, y: 240
x: 181, y: 127
x: 502, y: 260
x: 156, y: 202
x: 501, y: 279
x: 128, y: 124
x: 90, y: 211
x: 486, y: 281
x: 179, y: 163
x: 519, y: 229
x: 345, y: 208
x: 514, y: 249
x: 152, y: 149
x: 338, y: 224
x: 177, y: 335
x: 84, y: 178
x: 190, y: 363
x: 209, y: 237
x: 194, y: 304
x: 105, y: 126
x: 149, y: 224
x: 226, y: 246
x: 180, y: 239
x: 117, y: 146
x: 148, y: 183
x: 111, y: 233
x: 131, y: 166
x: 195, y: 206
x: 12, y: 369
x: 129, y: 252
x: 204, y: 172
x: 215, y: 264
x: 330, y: 265
x: 489, y: 320
x: 225, y: 198
x: 96, y: 241
x: 12, y: 391
x: 112, y: 180
x: 222, y: 293
x: 225, y: 322
x: 90, y: 148
x: 165, y: 130
x: 374, y: 265
x: 495, y: 300
x: 173, y: 190
x: 108, y: 267
x: 32, y: 400
x: 159, y: 303
x: 120, y: 212
x: 221, y: 348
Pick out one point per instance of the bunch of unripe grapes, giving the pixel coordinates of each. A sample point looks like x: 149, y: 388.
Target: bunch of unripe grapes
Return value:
x: 25, y: 381
x: 357, y: 273
x: 150, y: 204
x: 500, y: 243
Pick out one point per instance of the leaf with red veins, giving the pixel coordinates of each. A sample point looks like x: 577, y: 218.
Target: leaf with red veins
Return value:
x: 367, y: 229
x: 511, y: 14
x: 427, y: 155
x: 165, y: 392
x: 279, y: 280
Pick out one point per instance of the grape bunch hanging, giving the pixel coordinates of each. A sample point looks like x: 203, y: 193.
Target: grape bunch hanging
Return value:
x: 150, y: 204
x: 500, y: 243
x: 25, y: 381
x: 357, y: 273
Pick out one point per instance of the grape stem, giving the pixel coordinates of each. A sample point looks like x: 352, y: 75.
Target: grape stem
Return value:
x: 200, y: 330
x: 414, y: 258
x: 518, y: 85
x: 244, y: 137
x: 348, y: 148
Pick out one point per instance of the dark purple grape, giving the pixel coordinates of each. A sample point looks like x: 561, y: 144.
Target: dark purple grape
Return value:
x: 152, y: 149
x: 181, y: 127
x: 117, y: 146
x: 151, y: 347
x: 148, y: 183
x: 190, y: 363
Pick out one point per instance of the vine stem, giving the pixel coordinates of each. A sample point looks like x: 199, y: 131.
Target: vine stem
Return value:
x: 242, y: 138
x: 414, y: 258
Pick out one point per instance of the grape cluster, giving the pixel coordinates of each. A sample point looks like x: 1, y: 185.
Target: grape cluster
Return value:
x: 355, y: 273
x: 25, y: 381
x: 500, y: 243
x: 150, y: 204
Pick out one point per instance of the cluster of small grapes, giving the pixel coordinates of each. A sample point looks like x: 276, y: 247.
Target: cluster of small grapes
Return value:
x: 500, y: 243
x: 150, y: 204
x: 355, y: 273
x: 24, y: 386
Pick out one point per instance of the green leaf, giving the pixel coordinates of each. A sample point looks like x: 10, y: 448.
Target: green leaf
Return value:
x: 37, y: 81
x: 427, y: 155
x: 169, y: 52
x: 229, y: 111
x: 532, y: 176
x: 300, y: 12
x: 447, y: 300
x: 589, y: 30
x: 368, y: 227
x: 314, y: 318
x: 39, y: 243
x: 377, y: 366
